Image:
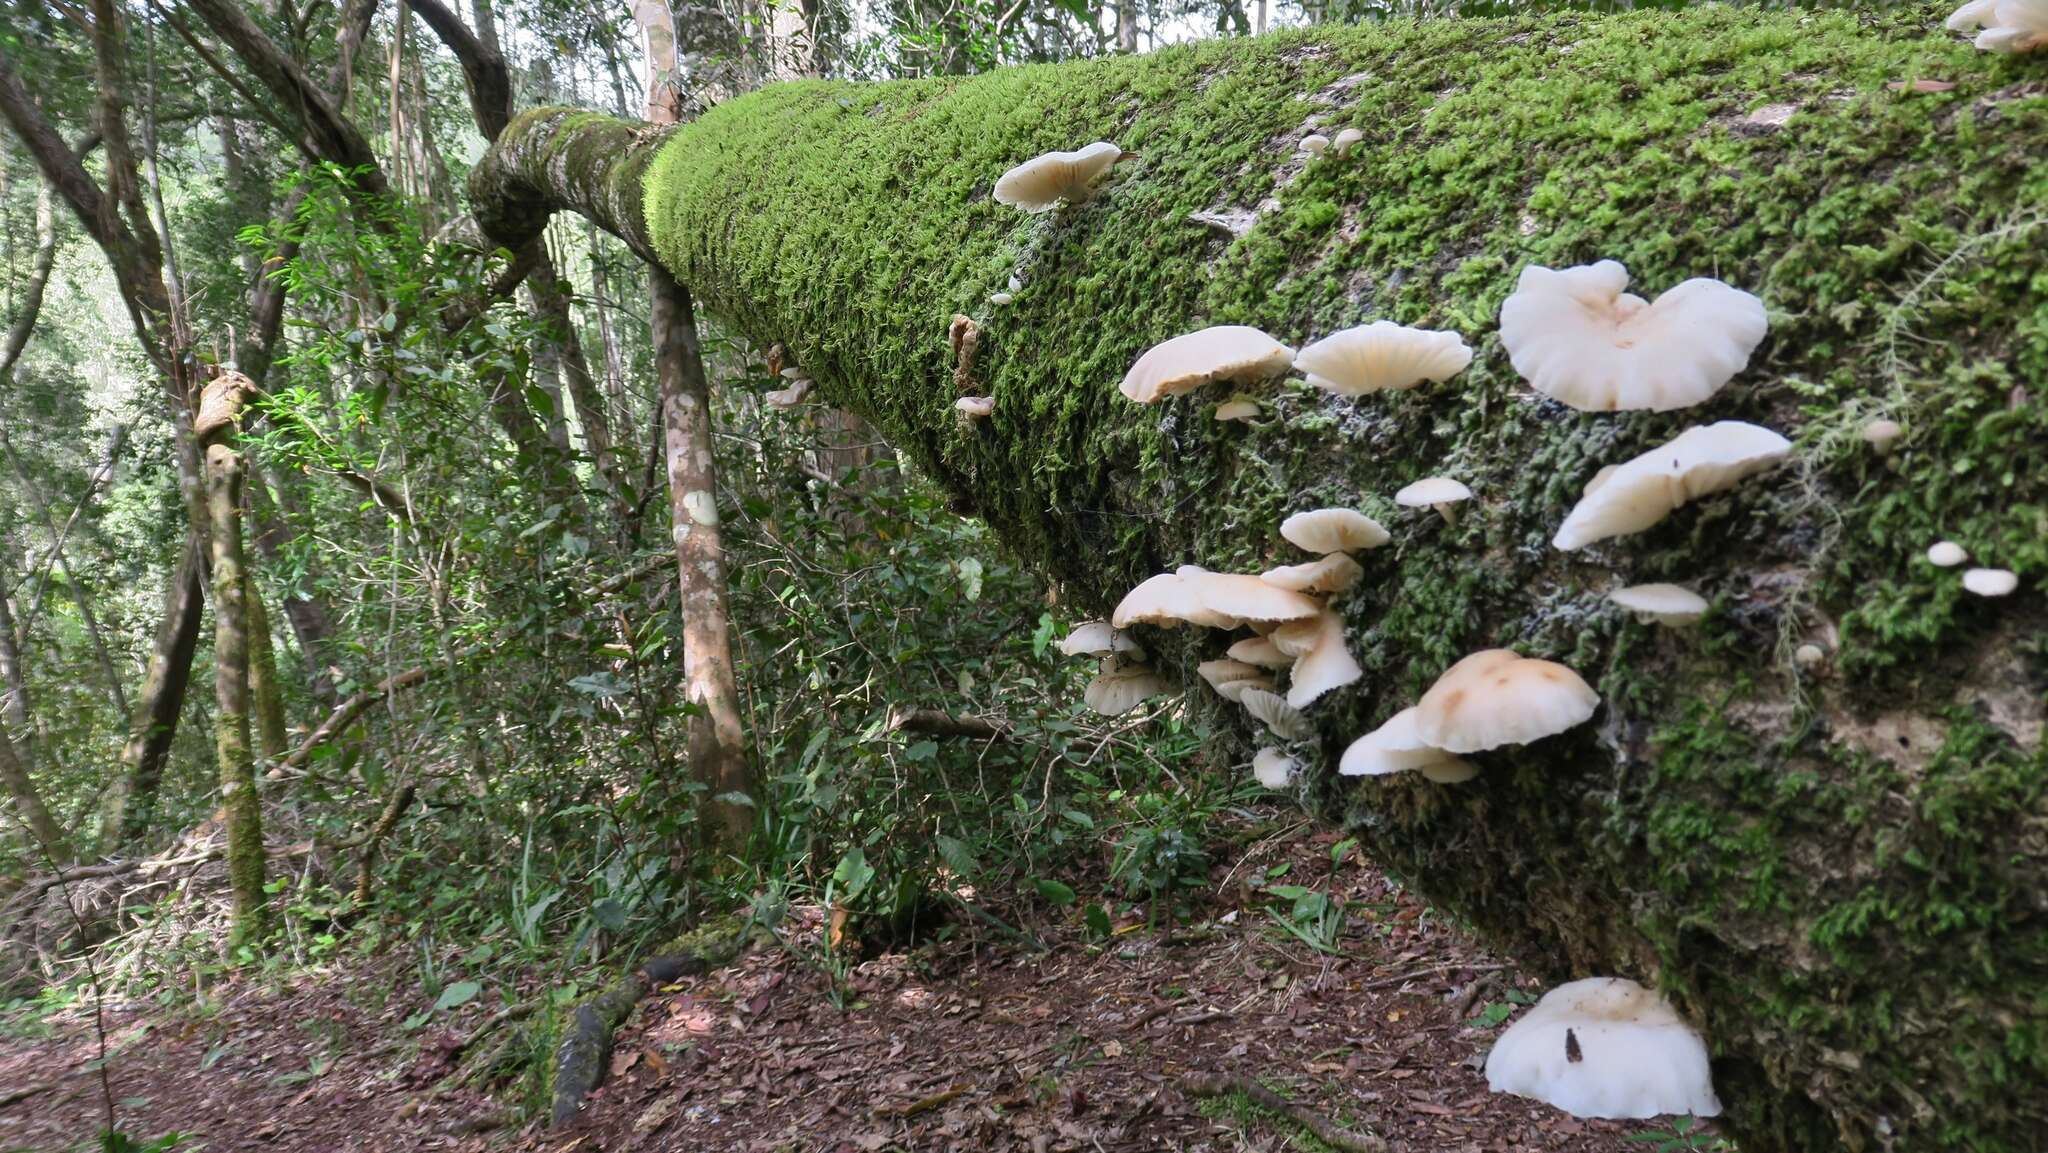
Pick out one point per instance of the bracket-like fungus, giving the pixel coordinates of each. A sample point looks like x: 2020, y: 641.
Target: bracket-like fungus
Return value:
x: 1333, y: 573
x: 1991, y: 582
x: 2009, y: 26
x: 1879, y: 435
x: 1672, y: 605
x: 1324, y: 665
x: 1273, y: 768
x: 974, y: 408
x: 1576, y: 336
x: 1605, y: 1047
x: 1328, y: 530
x: 1946, y: 554
x: 1495, y: 697
x: 1382, y: 356
x: 1394, y: 748
x: 1701, y: 460
x: 1164, y: 600
x: 1231, y: 678
x: 1437, y: 492
x: 1315, y: 143
x: 1237, y: 408
x: 1225, y: 352
x: 1119, y: 688
x: 786, y: 398
x: 1280, y: 718
x: 1041, y: 183
x: 1346, y: 140
x: 1091, y: 637
x: 1260, y: 651
x: 1210, y: 599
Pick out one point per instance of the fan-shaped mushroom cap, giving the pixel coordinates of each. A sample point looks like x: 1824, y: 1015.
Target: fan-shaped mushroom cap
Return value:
x: 1990, y: 582
x: 1326, y: 664
x: 1273, y: 768
x: 1946, y: 554
x: 1280, y: 718
x: 1210, y: 599
x: 1604, y: 1047
x: 2009, y: 26
x: 1432, y: 492
x: 1237, y: 408
x: 1260, y: 651
x: 793, y: 373
x: 1345, y: 140
x: 1663, y: 603
x: 1185, y: 363
x: 1314, y: 143
x: 1231, y: 678
x: 1394, y: 748
x: 1042, y: 182
x: 1576, y: 336
x: 1496, y: 697
x: 1099, y: 637
x: 1380, y: 356
x: 973, y: 408
x: 1332, y: 573
x: 1328, y: 530
x: 1119, y: 688
x: 787, y: 398
x: 1701, y: 460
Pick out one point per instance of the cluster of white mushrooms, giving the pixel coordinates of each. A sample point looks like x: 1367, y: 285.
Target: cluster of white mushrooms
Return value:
x: 2008, y: 26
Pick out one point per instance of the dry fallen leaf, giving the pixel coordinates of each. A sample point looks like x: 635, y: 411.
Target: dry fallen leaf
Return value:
x: 1920, y: 85
x: 1113, y: 1049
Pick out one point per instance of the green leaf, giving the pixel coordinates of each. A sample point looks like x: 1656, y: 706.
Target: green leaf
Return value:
x: 1054, y: 891
x: 457, y: 995
x: 853, y: 873
x: 1098, y: 920
x: 958, y: 856
x: 1042, y: 636
x: 1494, y: 1013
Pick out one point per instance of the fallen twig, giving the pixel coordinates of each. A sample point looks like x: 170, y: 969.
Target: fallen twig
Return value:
x: 1432, y: 971
x: 1325, y: 1130
x: 23, y: 1092
x: 923, y: 1104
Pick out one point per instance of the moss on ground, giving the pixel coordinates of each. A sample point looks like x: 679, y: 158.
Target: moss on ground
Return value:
x: 1858, y: 927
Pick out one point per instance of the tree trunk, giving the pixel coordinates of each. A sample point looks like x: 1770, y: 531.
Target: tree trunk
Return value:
x: 1127, y: 25
x: 1835, y: 869
x: 305, y: 609
x: 14, y: 679
x: 231, y: 659
x: 28, y: 802
x: 130, y: 803
x: 265, y: 693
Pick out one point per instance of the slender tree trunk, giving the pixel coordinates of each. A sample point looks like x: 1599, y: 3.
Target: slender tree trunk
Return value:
x: 130, y: 803
x: 231, y: 656
x: 81, y: 595
x: 265, y: 693
x: 14, y: 705
x: 28, y: 803
x: 718, y: 755
x: 1127, y: 24
x: 304, y: 609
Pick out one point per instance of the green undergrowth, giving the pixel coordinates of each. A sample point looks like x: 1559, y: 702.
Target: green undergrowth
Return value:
x: 1841, y: 916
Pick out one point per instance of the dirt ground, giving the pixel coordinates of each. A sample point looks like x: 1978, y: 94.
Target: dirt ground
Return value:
x: 974, y: 1043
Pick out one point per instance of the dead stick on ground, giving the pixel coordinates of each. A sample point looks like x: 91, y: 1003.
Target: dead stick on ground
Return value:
x: 1433, y: 971
x: 23, y: 1092
x: 924, y: 1105
x: 1325, y: 1130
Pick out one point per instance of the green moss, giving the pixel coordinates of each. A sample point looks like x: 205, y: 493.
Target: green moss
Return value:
x: 1816, y: 903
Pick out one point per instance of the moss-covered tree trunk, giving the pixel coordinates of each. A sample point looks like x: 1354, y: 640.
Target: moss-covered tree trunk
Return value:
x: 1836, y: 869
x: 266, y: 693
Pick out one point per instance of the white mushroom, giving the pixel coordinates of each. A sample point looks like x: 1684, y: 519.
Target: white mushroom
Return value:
x: 1395, y: 748
x: 1665, y: 604
x: 1092, y: 637
x: 2009, y: 26
x: 974, y: 408
x: 1225, y: 352
x: 1280, y: 718
x: 784, y: 399
x: 1333, y: 573
x: 1042, y: 182
x: 1701, y: 460
x: 1991, y: 582
x: 1496, y: 697
x: 1879, y: 435
x: 1272, y: 768
x: 1946, y: 554
x: 1000, y: 298
x: 1437, y: 492
x: 1231, y: 678
x: 1328, y: 530
x: 1576, y: 336
x: 1314, y: 143
x: 1119, y: 688
x: 1381, y: 356
x: 1237, y: 408
x: 1809, y: 655
x: 1324, y: 665
x: 1345, y: 140
x: 1260, y: 651
x: 1604, y: 1047
x: 1210, y: 599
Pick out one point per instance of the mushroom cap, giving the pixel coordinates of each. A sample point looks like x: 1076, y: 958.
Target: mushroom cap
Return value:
x: 1185, y: 363
x: 785, y: 399
x: 1260, y: 651
x: 1327, y: 664
x: 1701, y: 460
x: 1495, y: 697
x: 1809, y: 654
x: 2010, y: 26
x: 1231, y: 678
x: 1091, y: 637
x: 1331, y: 573
x: 1213, y: 600
x: 1345, y: 139
x: 1881, y: 433
x: 1576, y: 336
x: 1946, y: 554
x: 975, y: 407
x: 1328, y: 530
x: 1314, y: 143
x: 792, y: 373
x: 1664, y: 603
x: 1380, y: 356
x: 1991, y: 582
x: 1604, y: 1047
x: 1042, y: 182
x: 1280, y: 718
x: 1431, y: 491
x: 1237, y: 408
x: 1394, y: 747
x: 1163, y: 600
x: 1119, y: 688
x: 1000, y: 298
x: 1273, y: 768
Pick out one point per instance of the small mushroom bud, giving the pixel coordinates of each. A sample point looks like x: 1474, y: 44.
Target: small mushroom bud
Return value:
x: 1879, y: 435
x: 1314, y: 144
x: 1809, y: 655
x: 1346, y: 140
x: 1000, y: 298
x: 1437, y: 492
x: 1946, y: 554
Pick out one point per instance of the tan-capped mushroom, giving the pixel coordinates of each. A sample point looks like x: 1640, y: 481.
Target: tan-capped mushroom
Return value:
x: 1496, y: 697
x: 1331, y: 573
x: 1210, y: 599
x: 1438, y: 492
x: 1382, y: 356
x: 1231, y: 678
x: 1096, y: 637
x: 1325, y: 664
x: 1120, y: 687
x: 1576, y: 336
x: 1039, y: 184
x: 1665, y: 604
x: 1328, y: 530
x: 1237, y: 408
x: 1260, y: 651
x: 1233, y: 352
x: 1395, y: 748
x: 1701, y: 460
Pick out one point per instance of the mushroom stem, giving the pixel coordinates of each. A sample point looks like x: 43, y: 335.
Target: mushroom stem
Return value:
x: 1447, y: 511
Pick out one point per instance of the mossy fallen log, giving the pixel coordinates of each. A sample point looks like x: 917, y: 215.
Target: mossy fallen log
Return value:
x: 1839, y: 870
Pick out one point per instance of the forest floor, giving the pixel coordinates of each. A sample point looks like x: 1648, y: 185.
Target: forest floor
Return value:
x: 970, y: 1043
